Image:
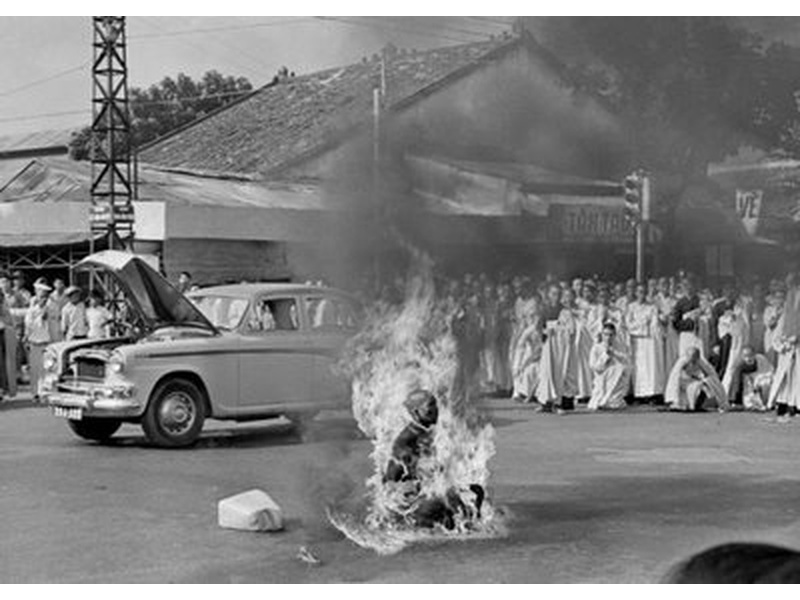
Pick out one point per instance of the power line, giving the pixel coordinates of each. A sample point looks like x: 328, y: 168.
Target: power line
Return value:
x: 86, y: 111
x: 238, y: 64
x: 225, y: 28
x: 44, y: 80
x: 448, y: 29
x: 134, y: 103
x: 493, y: 21
x: 377, y: 25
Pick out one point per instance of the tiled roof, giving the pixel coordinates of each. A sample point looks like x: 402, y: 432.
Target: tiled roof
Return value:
x: 56, y: 179
x: 38, y: 140
x: 285, y: 122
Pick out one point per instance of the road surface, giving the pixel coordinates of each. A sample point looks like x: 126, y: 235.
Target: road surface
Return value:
x: 593, y: 498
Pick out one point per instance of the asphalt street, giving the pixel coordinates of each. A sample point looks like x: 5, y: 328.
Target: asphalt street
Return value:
x: 592, y: 497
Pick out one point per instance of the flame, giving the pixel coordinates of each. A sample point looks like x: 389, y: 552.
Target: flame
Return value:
x: 399, y: 351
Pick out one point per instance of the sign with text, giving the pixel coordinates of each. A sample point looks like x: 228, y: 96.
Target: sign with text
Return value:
x: 748, y: 207
x: 595, y: 223
x: 101, y: 214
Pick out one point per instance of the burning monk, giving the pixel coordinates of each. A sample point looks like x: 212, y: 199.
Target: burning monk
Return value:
x: 405, y: 476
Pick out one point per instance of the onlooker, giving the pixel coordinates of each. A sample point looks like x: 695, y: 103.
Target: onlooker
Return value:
x: 74, y: 325
x: 184, y: 282
x: 98, y: 316
x: 55, y: 305
x: 37, y: 332
x: 8, y: 351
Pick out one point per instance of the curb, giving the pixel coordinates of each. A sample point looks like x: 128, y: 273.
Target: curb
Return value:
x: 19, y: 401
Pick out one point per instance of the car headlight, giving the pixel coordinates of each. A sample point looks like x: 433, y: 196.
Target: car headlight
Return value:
x: 49, y: 361
x: 116, y: 363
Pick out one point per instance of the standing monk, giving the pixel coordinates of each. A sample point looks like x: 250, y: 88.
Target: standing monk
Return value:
x: 686, y: 318
x: 647, y: 346
x: 785, y: 392
x: 665, y: 304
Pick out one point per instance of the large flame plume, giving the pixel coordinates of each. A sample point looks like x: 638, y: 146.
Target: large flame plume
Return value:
x: 400, y: 351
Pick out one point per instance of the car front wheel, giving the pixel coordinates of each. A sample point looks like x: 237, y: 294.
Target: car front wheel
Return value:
x: 98, y: 430
x: 175, y: 415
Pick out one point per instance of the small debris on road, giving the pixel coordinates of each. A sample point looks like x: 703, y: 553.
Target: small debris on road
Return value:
x: 307, y: 556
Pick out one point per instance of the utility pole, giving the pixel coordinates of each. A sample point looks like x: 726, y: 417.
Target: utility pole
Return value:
x: 111, y: 191
x: 376, y: 187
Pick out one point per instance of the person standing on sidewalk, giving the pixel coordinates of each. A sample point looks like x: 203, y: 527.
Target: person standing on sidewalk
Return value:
x: 8, y: 351
x: 55, y: 304
x: 74, y: 324
x: 37, y: 332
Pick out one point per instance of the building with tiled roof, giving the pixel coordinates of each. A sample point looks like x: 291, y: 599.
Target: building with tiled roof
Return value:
x: 288, y: 126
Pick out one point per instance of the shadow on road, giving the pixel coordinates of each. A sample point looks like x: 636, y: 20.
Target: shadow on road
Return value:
x: 258, y: 435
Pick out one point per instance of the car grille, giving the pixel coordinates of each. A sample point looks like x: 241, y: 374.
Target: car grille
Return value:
x: 87, y: 368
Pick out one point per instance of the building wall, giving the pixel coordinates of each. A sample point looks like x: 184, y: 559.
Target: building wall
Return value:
x: 214, y: 262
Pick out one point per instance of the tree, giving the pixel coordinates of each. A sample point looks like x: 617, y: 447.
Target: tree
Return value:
x: 689, y: 90
x: 170, y: 104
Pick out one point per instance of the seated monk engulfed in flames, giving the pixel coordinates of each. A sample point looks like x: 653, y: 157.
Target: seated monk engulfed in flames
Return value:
x: 430, y: 445
x: 412, y: 453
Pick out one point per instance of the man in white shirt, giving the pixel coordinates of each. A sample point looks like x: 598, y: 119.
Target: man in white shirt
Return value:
x: 73, y: 316
x: 37, y: 332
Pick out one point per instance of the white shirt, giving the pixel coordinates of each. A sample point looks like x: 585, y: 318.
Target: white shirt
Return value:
x: 97, y: 318
x: 37, y: 331
x: 73, y: 321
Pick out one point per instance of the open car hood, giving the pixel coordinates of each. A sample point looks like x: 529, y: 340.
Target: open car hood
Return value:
x: 158, y: 303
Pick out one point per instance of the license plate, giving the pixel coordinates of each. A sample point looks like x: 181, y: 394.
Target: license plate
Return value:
x: 73, y: 414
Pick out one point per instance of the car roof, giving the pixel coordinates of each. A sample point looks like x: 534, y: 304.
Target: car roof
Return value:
x: 248, y: 290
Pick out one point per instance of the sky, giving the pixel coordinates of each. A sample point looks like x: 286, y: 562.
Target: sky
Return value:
x: 45, y: 77
x: 45, y: 61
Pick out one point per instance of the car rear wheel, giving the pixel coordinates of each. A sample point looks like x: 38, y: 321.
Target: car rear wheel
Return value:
x: 302, y: 419
x: 175, y: 415
x: 98, y: 430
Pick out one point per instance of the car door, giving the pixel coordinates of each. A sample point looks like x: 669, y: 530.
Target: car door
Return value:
x: 332, y: 321
x: 275, y: 360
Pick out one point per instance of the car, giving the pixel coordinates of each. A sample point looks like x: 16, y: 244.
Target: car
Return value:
x: 237, y: 352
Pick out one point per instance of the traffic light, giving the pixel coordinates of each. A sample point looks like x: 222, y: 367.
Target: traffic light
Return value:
x: 632, y: 188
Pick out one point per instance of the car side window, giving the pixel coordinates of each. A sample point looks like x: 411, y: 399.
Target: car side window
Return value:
x: 330, y: 313
x: 273, y: 314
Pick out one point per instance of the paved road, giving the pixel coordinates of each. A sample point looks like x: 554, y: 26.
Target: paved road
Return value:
x: 594, y: 498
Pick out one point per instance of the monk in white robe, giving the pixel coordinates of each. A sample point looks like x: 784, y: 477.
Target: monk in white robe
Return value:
x: 647, y: 346
x: 734, y: 323
x: 772, y: 314
x: 558, y: 376
x: 589, y: 322
x: 611, y: 372
x: 749, y: 381
x: 666, y: 303
x: 526, y: 357
x: 785, y: 392
x: 693, y: 384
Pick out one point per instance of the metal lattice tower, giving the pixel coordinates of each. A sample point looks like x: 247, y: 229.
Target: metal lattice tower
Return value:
x: 112, y: 206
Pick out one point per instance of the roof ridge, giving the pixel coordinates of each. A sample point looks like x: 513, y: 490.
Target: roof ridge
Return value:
x: 403, y: 103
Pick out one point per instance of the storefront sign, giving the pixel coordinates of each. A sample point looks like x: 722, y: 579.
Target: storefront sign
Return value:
x: 594, y: 223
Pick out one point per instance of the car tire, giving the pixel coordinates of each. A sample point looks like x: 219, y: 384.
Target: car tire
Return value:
x: 97, y: 430
x: 301, y: 420
x: 175, y: 414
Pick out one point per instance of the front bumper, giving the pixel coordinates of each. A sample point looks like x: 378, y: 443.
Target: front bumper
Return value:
x: 97, y: 400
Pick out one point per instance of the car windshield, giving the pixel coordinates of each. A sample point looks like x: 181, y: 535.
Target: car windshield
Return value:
x: 224, y: 312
